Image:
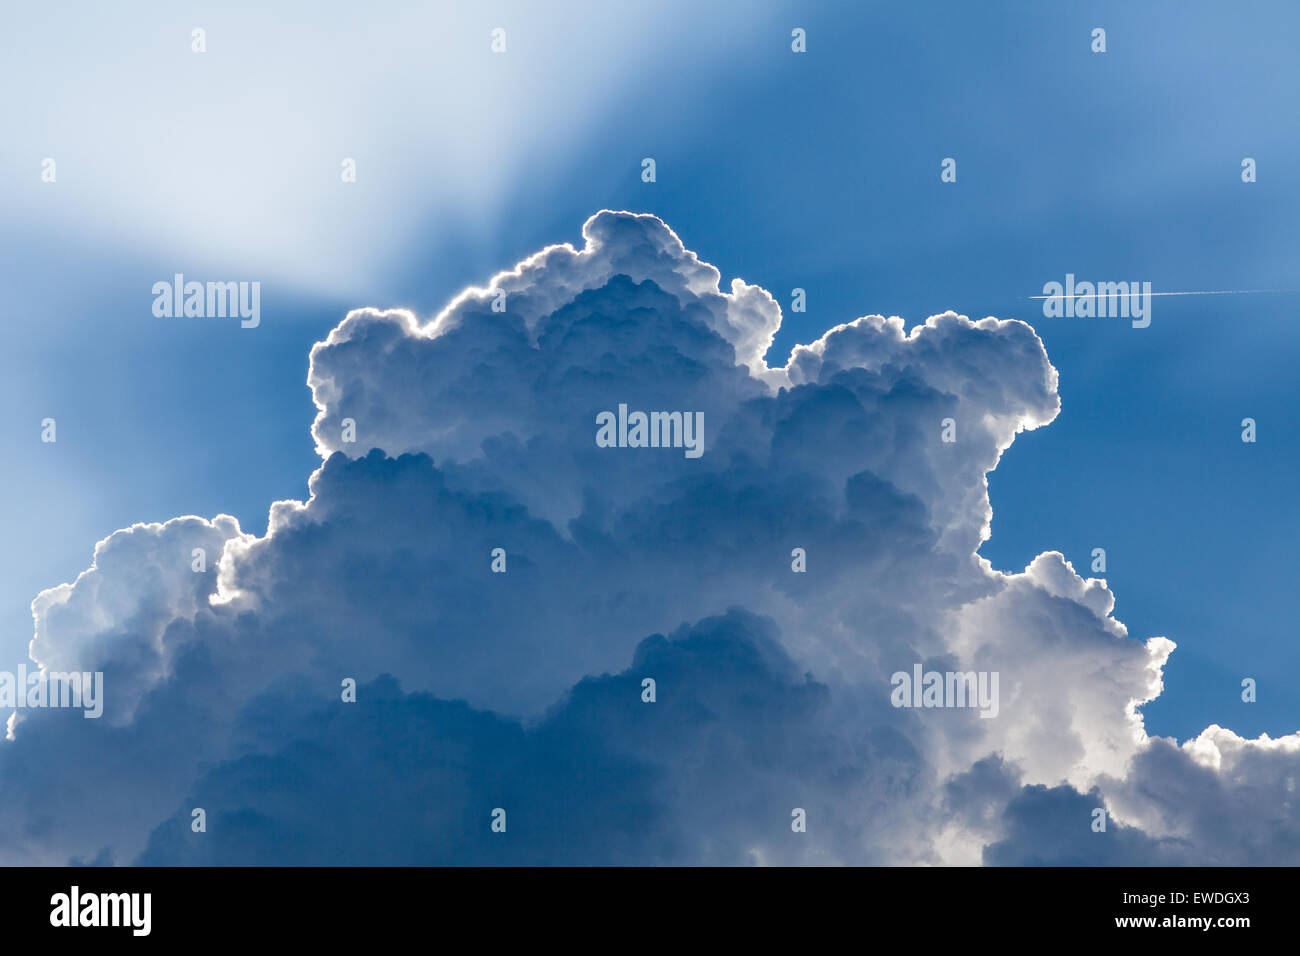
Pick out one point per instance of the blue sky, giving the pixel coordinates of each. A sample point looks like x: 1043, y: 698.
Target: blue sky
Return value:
x: 818, y: 171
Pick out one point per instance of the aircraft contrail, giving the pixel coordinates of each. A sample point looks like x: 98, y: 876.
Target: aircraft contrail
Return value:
x: 1130, y: 295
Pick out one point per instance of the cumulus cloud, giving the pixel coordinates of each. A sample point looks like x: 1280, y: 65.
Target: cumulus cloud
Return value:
x: 475, y: 431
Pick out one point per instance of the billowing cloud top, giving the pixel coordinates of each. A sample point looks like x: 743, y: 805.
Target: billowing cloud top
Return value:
x: 823, y: 541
